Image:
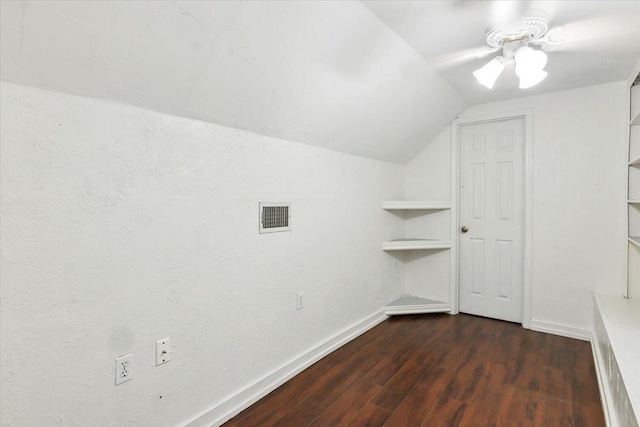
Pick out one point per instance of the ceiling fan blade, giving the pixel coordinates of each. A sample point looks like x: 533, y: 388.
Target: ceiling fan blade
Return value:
x: 602, y: 33
x: 486, y: 51
x: 458, y: 58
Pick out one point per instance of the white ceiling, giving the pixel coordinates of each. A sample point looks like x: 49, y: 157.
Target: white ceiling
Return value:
x: 323, y: 73
x: 376, y: 79
x: 602, y: 40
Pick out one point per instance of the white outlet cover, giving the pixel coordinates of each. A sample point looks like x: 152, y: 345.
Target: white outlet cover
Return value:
x: 163, y: 351
x: 123, y: 368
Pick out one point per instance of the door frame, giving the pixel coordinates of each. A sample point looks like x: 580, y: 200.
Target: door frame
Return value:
x: 527, y: 115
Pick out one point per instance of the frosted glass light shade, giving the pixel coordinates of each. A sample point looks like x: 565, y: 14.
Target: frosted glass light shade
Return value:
x: 531, y: 78
x: 530, y: 59
x: 488, y: 74
x: 529, y: 66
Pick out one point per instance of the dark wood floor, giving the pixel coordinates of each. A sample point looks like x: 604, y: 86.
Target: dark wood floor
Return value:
x: 440, y: 370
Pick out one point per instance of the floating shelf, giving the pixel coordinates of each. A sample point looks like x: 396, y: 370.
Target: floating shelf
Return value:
x: 415, y: 205
x: 416, y: 305
x: 635, y: 120
x: 415, y: 244
x: 633, y: 202
x: 635, y: 162
x: 634, y: 240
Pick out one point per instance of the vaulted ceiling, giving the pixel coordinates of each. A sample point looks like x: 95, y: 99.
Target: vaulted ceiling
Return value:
x: 376, y: 79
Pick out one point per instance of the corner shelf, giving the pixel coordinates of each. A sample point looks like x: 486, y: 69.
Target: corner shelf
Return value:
x: 416, y: 205
x: 414, y: 305
x: 415, y: 244
x: 411, y: 304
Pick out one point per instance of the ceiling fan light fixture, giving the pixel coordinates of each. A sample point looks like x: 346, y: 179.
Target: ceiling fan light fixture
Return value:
x: 514, y: 41
x: 488, y: 74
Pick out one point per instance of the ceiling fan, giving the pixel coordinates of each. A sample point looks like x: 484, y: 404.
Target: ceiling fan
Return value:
x: 515, y: 41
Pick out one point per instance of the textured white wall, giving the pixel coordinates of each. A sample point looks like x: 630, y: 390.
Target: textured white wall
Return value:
x: 579, y: 189
x: 428, y: 175
x: 121, y: 226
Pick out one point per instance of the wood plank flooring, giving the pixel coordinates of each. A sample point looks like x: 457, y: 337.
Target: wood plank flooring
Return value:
x: 440, y: 370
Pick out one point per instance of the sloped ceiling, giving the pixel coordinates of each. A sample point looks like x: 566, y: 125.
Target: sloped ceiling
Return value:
x: 323, y: 73
x: 378, y: 79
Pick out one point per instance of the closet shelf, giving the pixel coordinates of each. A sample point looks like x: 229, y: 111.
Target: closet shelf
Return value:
x: 396, y: 205
x: 634, y: 240
x: 415, y: 244
x: 415, y: 305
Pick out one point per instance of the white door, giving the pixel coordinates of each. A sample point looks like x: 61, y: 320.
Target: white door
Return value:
x: 492, y: 219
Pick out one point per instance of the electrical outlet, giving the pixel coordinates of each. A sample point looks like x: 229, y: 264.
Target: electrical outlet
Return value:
x: 123, y: 368
x: 163, y: 354
x: 299, y: 304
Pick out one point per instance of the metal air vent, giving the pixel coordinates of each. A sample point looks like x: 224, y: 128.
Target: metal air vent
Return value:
x: 275, y: 217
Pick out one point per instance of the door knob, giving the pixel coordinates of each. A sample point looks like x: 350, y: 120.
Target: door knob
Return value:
x: 464, y: 229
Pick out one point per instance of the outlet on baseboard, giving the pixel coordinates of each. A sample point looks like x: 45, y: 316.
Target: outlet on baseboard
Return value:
x: 123, y: 368
x: 299, y: 303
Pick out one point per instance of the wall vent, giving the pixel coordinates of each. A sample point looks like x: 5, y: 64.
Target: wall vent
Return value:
x: 275, y: 217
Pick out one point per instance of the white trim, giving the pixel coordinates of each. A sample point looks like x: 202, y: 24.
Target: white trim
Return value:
x: 527, y: 115
x: 222, y: 412
x: 603, y: 381
x: 454, y: 220
x: 561, y: 330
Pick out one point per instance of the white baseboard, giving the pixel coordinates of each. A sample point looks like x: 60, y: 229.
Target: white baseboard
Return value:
x: 222, y: 412
x: 603, y: 381
x: 562, y: 330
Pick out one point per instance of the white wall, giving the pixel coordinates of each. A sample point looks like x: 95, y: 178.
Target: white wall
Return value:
x: 122, y: 226
x: 579, y: 188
